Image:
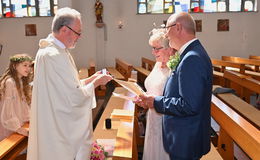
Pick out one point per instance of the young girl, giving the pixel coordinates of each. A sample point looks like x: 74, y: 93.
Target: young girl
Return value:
x: 15, y: 96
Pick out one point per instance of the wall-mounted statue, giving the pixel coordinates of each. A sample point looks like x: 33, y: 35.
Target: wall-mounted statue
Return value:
x: 99, y: 11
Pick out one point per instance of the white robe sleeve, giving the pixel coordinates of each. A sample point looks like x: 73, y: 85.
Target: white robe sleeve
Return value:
x: 9, y: 119
x: 62, y: 74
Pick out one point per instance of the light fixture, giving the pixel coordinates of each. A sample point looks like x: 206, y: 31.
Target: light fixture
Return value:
x: 120, y: 25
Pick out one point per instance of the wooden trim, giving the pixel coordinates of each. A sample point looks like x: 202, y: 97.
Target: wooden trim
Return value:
x: 147, y: 63
x: 243, y: 80
x: 254, y: 57
x: 241, y: 131
x: 225, y: 64
x: 124, y: 68
x: 245, y: 61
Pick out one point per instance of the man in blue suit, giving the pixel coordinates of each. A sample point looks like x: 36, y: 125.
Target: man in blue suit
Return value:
x: 187, y: 94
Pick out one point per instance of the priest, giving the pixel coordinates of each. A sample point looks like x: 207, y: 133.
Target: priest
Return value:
x: 61, y: 113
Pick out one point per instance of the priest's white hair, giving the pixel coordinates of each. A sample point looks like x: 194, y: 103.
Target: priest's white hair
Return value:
x: 64, y: 17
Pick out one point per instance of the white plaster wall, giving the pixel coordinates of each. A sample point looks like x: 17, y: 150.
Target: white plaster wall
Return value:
x: 131, y: 42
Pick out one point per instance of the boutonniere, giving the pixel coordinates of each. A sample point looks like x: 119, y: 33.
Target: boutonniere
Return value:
x: 174, y: 61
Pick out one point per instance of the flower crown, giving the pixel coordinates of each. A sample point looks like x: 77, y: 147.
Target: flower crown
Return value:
x: 20, y: 59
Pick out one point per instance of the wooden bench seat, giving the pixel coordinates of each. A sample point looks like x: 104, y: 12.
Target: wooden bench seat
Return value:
x: 244, y: 85
x: 115, y: 73
x: 234, y: 128
x: 13, y: 145
x: 249, y: 112
x: 212, y: 155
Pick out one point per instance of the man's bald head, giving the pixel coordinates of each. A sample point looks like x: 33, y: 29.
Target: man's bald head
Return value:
x: 185, y: 19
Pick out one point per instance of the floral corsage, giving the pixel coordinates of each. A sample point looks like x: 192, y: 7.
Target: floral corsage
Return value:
x: 174, y: 61
x: 98, y: 152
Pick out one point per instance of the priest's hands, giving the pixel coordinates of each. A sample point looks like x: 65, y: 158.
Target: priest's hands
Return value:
x: 145, y: 101
x: 23, y: 131
x: 101, y: 79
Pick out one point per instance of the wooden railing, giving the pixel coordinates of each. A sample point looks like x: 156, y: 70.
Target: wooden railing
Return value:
x: 224, y: 64
x: 13, y: 145
x: 234, y: 128
x: 254, y: 57
x: 251, y: 64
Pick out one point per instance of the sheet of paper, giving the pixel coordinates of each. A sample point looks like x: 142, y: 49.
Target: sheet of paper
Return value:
x: 123, y: 96
x: 131, y: 87
x: 122, y: 114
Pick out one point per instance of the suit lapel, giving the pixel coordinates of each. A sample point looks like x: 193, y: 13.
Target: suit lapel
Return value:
x: 192, y: 45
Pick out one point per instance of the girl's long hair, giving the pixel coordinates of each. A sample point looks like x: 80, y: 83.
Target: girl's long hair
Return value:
x: 11, y: 72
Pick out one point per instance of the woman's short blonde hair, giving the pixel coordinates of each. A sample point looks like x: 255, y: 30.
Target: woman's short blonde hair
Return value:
x: 157, y: 35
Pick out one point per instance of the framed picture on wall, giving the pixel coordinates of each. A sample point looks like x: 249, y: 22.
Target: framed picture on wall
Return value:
x: 223, y: 25
x: 198, y: 25
x: 30, y: 30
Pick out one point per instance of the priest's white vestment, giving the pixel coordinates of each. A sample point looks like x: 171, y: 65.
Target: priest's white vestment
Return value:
x: 61, y: 112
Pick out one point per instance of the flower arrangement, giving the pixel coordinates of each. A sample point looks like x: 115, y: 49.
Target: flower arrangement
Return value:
x: 98, y: 152
x: 174, y: 61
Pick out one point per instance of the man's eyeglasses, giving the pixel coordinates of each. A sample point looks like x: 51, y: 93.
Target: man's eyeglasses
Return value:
x: 77, y: 33
x: 157, y: 49
x: 170, y: 26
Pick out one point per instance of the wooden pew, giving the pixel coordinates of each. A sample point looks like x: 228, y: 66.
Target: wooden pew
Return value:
x: 247, y: 111
x: 86, y: 72
x: 251, y: 64
x: 224, y: 64
x: 147, y: 63
x: 218, y: 78
x: 243, y: 84
x: 221, y: 66
x: 254, y: 57
x: 122, y: 131
x: 121, y: 71
x: 234, y: 128
x: 212, y: 155
x: 13, y: 145
x: 124, y: 68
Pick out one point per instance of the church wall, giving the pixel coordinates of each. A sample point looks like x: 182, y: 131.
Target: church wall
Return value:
x: 130, y: 43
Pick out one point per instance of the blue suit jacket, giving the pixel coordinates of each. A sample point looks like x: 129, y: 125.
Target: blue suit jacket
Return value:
x: 186, y: 105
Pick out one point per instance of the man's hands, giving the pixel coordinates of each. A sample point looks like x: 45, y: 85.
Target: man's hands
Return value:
x: 145, y: 101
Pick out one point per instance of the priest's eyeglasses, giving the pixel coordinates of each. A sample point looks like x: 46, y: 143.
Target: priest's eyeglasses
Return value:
x: 170, y: 26
x: 77, y: 33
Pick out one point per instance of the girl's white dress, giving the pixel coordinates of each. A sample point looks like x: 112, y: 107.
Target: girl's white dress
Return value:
x: 153, y: 145
x: 14, y: 111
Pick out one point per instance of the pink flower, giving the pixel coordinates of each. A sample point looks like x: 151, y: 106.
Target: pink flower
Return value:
x: 97, y: 152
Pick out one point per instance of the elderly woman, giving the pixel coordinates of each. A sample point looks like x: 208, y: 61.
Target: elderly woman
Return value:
x: 154, y: 84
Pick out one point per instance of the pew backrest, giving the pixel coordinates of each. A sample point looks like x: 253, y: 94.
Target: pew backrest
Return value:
x: 147, y: 63
x: 124, y: 68
x: 225, y: 64
x: 239, y: 129
x: 245, y: 61
x: 254, y: 57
